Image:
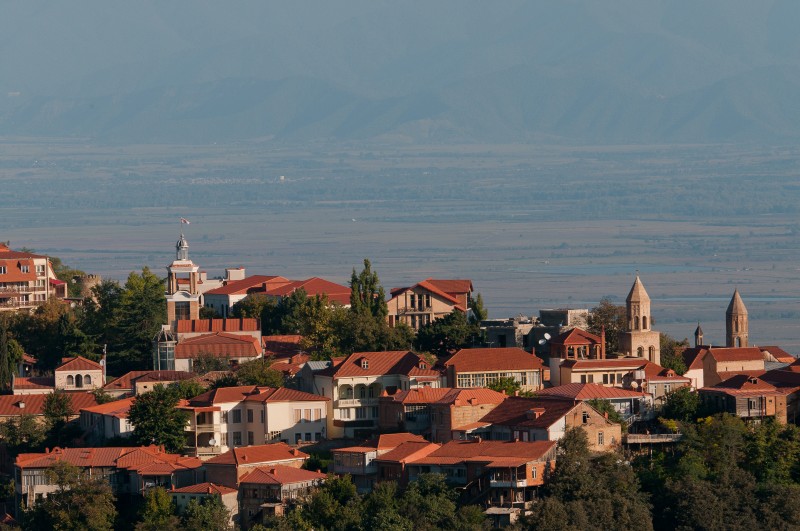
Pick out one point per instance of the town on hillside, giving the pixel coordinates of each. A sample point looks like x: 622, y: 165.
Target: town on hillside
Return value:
x: 255, y: 401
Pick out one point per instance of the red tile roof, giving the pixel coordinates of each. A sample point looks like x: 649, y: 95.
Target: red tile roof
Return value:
x: 529, y: 412
x: 217, y: 325
x: 488, y: 452
x: 382, y: 363
x: 419, y: 395
x: 409, y: 451
x: 124, y: 382
x: 252, y: 284
x: 219, y: 344
x: 576, y: 336
x: 34, y: 404
x: 280, y: 475
x: 395, y: 292
x: 282, y: 346
x: 778, y: 353
x: 588, y: 391
x: 117, y: 408
x: 204, y: 488
x: 78, y: 363
x: 619, y: 364
x: 471, y: 397
x: 6, y: 253
x: 724, y: 354
x: 265, y: 453
x: 314, y: 286
x: 452, y: 286
x: 743, y: 385
x: 388, y: 441
x: 283, y: 394
x: 164, y: 376
x: 493, y: 359
x: 223, y: 395
x: 693, y: 357
x: 34, y: 382
x: 148, y: 460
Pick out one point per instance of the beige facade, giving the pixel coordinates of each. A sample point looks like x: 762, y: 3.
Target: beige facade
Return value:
x: 639, y: 339
x: 27, y: 280
x: 417, y: 306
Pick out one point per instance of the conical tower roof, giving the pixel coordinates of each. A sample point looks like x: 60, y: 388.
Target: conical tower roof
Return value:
x: 737, y: 305
x: 638, y: 293
x: 698, y: 331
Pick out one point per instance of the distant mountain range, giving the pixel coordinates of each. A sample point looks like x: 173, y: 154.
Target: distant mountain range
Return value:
x: 617, y: 71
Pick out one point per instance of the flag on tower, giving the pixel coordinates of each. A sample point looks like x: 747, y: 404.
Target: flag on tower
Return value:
x: 184, y: 220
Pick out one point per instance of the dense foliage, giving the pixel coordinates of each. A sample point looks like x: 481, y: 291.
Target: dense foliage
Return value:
x: 428, y: 503
x: 156, y: 420
x: 611, y: 317
x: 445, y: 336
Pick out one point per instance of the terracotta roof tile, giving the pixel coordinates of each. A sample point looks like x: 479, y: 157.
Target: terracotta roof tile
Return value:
x: 471, y: 397
x: 280, y: 475
x: 217, y: 325
x: 409, y: 451
x: 252, y: 284
x: 588, y: 391
x: 282, y: 346
x: 124, y: 382
x: 393, y: 440
x: 34, y: 382
x: 778, y: 353
x: 219, y: 344
x: 620, y: 363
x: 314, y: 286
x: 493, y: 359
x: 204, y: 488
x: 576, y: 336
x: 736, y: 354
x: 488, y: 451
x: 529, y: 412
x: 78, y: 363
x: 419, y: 395
x: 222, y: 395
x: 34, y: 404
x: 452, y: 286
x: 265, y: 453
x: 382, y: 363
x: 283, y: 394
x: 164, y: 376
x: 117, y: 408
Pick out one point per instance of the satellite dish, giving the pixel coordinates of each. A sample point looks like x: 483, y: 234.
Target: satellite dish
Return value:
x: 547, y: 336
x: 212, y: 442
x: 542, y: 341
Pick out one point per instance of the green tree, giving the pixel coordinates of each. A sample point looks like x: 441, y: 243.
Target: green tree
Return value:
x: 671, y: 350
x: 429, y: 502
x: 10, y: 355
x: 507, y: 385
x: 22, y: 434
x: 140, y: 314
x: 367, y: 296
x: 57, y: 409
x: 206, y: 362
x: 448, y: 334
x: 262, y: 307
x: 258, y: 372
x: 208, y: 515
x: 156, y: 419
x: 681, y: 404
x: 101, y: 396
x: 79, y: 503
x: 67, y: 274
x: 72, y: 340
x: 612, y: 317
x: 605, y: 407
x: 158, y: 511
x: 187, y: 389
x: 479, y: 313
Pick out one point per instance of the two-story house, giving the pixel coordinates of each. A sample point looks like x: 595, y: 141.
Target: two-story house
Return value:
x: 27, y: 280
x: 355, y: 385
x: 359, y: 461
x: 427, y: 301
x: 481, y: 367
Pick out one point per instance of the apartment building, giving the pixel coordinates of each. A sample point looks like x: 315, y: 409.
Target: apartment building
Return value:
x: 27, y: 280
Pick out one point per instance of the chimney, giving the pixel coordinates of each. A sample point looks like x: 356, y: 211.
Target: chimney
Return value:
x: 272, y: 471
x: 516, y: 392
x: 603, y: 343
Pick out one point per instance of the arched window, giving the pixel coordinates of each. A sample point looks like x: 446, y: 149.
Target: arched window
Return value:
x: 652, y: 352
x: 644, y: 322
x: 640, y: 352
x: 738, y: 342
x: 87, y: 380
x: 636, y: 323
x: 79, y: 381
x: 70, y: 380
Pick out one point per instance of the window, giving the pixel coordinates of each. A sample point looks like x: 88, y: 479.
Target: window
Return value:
x: 298, y: 415
x: 600, y: 439
x: 344, y: 414
x: 412, y: 300
x: 237, y: 417
x: 365, y: 364
x: 250, y: 438
x: 262, y: 416
x: 237, y: 438
x: 70, y: 380
x: 605, y: 378
x: 40, y: 269
x: 318, y: 414
x: 24, y: 269
x: 361, y: 412
x: 583, y: 378
x: 317, y: 436
x: 533, y: 472
x: 308, y: 437
x: 375, y: 411
x: 87, y: 380
x: 250, y: 416
x: 79, y: 381
x: 224, y: 439
x: 2, y: 270
x: 585, y: 417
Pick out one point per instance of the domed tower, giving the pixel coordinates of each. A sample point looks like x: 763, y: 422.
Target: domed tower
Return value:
x: 736, y: 322
x: 698, y: 336
x: 639, y: 339
x: 183, y: 294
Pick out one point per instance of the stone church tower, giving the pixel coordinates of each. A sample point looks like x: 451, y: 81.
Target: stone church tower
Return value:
x: 183, y: 294
x: 639, y: 339
x: 736, y: 323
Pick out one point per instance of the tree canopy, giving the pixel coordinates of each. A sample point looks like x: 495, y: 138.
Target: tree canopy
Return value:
x: 612, y: 317
x: 448, y: 334
x: 156, y: 420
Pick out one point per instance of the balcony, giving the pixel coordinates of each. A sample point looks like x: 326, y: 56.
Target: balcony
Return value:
x: 356, y: 402
x: 202, y: 450
x: 207, y: 428
x: 408, y: 310
x: 508, y: 483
